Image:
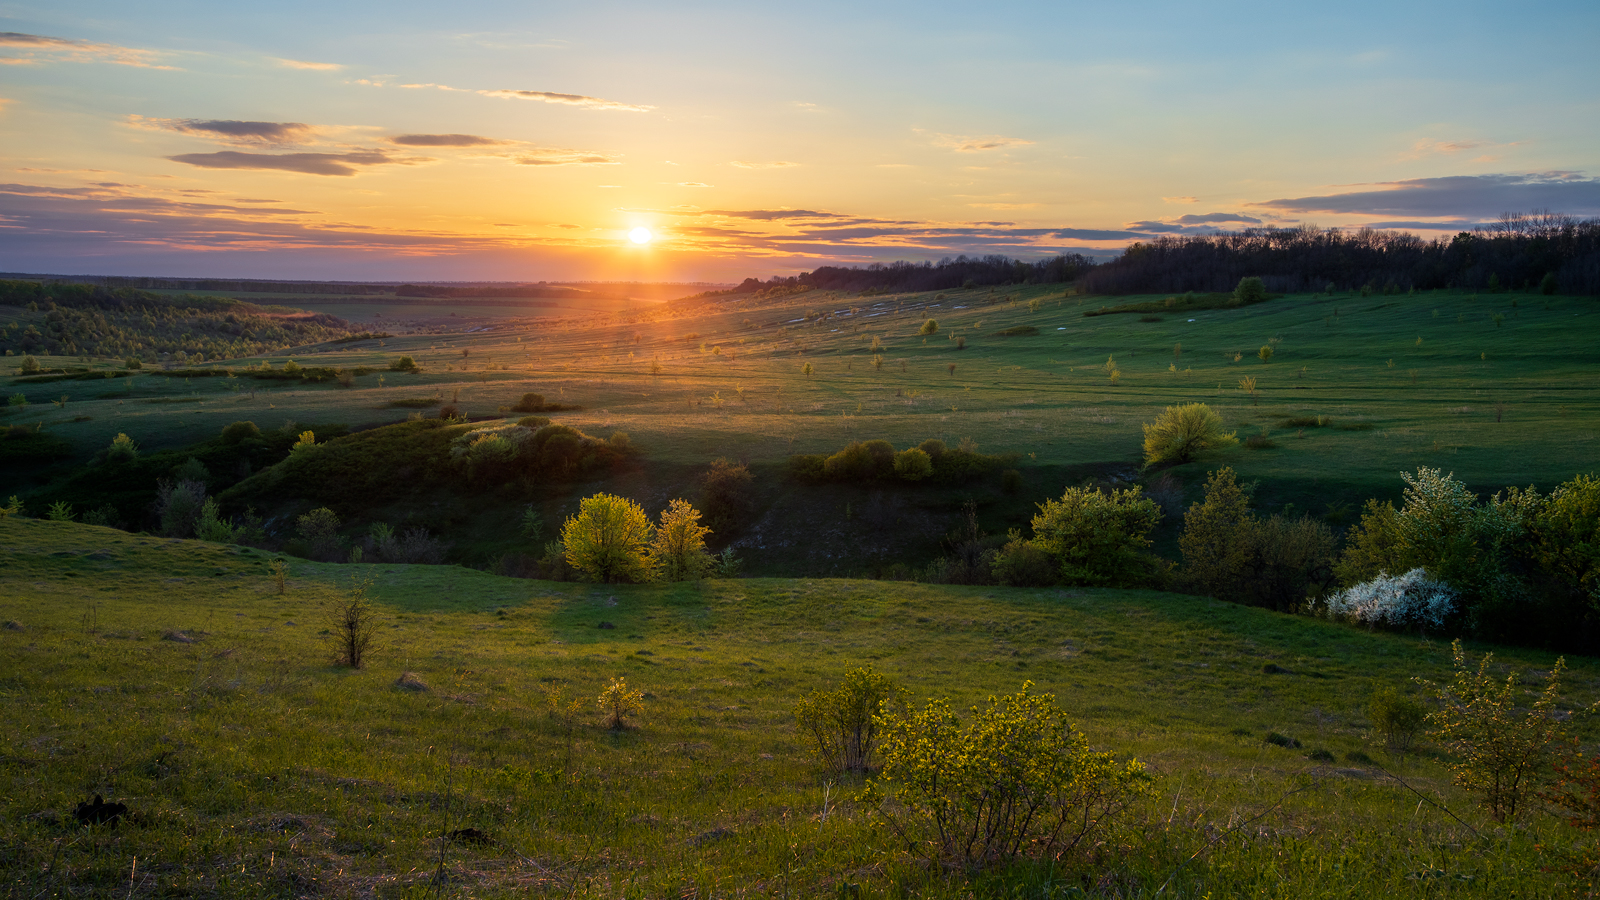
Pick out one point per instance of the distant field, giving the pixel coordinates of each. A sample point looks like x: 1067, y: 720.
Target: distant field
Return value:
x: 1499, y: 389
x: 171, y: 676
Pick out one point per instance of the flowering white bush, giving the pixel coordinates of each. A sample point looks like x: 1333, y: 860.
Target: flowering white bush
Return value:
x: 1412, y: 598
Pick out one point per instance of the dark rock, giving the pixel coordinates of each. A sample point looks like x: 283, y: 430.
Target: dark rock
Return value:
x: 470, y: 836
x: 99, y: 812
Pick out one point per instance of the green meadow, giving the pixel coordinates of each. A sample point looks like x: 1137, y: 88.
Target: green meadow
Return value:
x: 1498, y: 388
x: 174, y: 677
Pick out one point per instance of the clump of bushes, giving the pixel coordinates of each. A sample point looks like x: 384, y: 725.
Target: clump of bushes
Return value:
x: 534, y: 403
x: 1409, y: 599
x: 1180, y: 432
x: 610, y: 539
x: 1228, y: 552
x: 843, y: 725
x: 727, y: 495
x: 874, y: 461
x: 504, y: 451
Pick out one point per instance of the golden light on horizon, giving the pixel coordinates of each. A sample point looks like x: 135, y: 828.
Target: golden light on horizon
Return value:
x: 640, y: 235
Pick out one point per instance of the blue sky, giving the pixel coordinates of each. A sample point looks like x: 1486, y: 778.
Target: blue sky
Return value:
x: 523, y: 141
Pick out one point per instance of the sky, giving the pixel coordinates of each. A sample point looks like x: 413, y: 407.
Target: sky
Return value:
x: 524, y: 141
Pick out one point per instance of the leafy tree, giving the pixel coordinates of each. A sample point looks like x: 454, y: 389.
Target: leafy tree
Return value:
x: 1230, y: 553
x: 913, y: 464
x: 1250, y: 290
x: 1215, y: 558
x: 1265, y: 353
x: 239, y: 432
x: 30, y: 365
x: 353, y: 625
x: 319, y: 531
x: 1182, y: 431
x: 678, y: 551
x: 620, y: 701
x: 929, y: 327
x: 609, y: 539
x: 1398, y: 718
x: 727, y: 494
x: 178, y: 506
x: 1566, y: 538
x: 1018, y: 779
x: 844, y: 723
x: 1098, y: 537
x: 122, y: 449
x: 1502, y: 749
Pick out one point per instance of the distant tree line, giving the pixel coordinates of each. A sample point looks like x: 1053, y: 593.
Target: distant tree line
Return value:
x: 1543, y: 251
x: 963, y: 271
x: 447, y: 292
x: 241, y: 285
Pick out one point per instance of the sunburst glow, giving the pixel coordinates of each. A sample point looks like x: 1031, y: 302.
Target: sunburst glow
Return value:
x: 640, y: 235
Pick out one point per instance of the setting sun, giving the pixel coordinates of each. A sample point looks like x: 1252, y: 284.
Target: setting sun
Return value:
x: 640, y: 235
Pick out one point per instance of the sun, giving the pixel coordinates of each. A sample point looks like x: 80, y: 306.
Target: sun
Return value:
x: 640, y: 235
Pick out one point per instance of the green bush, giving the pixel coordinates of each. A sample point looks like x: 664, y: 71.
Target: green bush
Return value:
x: 403, y: 364
x: 122, y: 449
x: 318, y: 532
x: 913, y: 464
x: 1548, y: 284
x: 1398, y: 718
x: 609, y: 540
x: 843, y: 724
x: 1180, y: 432
x: 1022, y: 564
x: 1098, y: 537
x: 1250, y: 290
x: 1017, y: 780
x: 727, y: 494
x: 929, y: 327
x: 1230, y: 554
x: 240, y: 431
x: 678, y: 550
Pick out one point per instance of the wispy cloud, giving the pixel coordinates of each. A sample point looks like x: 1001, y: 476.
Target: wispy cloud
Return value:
x: 693, y: 184
x: 547, y: 156
x: 568, y: 100
x: 302, y: 64
x: 333, y: 164
x: 232, y: 131
x: 746, y: 164
x: 54, y: 49
x: 437, y: 87
x: 1179, y: 200
x: 977, y: 144
x: 1456, y: 196
x: 446, y: 140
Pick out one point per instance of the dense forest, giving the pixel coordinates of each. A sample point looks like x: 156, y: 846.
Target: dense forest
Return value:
x: 1556, y: 253
x: 1546, y: 251
x: 92, y: 320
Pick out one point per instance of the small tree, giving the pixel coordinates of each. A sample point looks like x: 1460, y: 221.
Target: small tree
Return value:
x: 678, y: 552
x: 178, y: 506
x: 1265, y: 353
x: 620, y: 701
x: 403, y: 364
x: 122, y: 449
x: 352, y: 621
x: 1501, y: 750
x: 1182, y: 431
x: 913, y: 464
x: 319, y: 530
x: 843, y: 723
x: 30, y: 365
x: 929, y: 327
x: 1398, y: 718
x: 1098, y: 537
x: 609, y: 539
x: 1250, y: 290
x: 727, y: 495
x: 1017, y: 780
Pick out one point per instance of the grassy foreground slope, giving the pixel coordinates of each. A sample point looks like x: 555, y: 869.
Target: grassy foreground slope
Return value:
x: 171, y: 675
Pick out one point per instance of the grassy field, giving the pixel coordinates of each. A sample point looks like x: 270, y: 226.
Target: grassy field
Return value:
x: 171, y: 675
x: 1499, y: 389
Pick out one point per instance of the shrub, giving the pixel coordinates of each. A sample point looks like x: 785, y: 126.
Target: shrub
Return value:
x: 30, y: 365
x: 1548, y: 284
x: 1501, y: 747
x: 1011, y: 481
x: 210, y: 526
x: 534, y: 422
x: 929, y: 327
x: 305, y: 443
x: 132, y: 362
x: 1409, y: 599
x: 402, y: 364
x: 239, y: 432
x: 414, y: 546
x: 60, y: 511
x: 105, y: 517
x: 843, y: 724
x: 178, y: 506
x: 678, y: 551
x: 1017, y: 780
x: 352, y: 622
x: 1231, y: 554
x: 1021, y: 564
x: 122, y: 449
x: 1397, y: 718
x: 318, y: 530
x: 1182, y: 431
x: 1096, y: 537
x: 609, y: 539
x: 913, y: 464
x: 1250, y: 290
x: 1566, y: 539
x: 620, y: 701
x: 727, y: 494
x: 1265, y: 353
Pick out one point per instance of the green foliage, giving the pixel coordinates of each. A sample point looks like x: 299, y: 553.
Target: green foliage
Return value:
x: 30, y: 365
x: 531, y: 524
x: 1021, y: 563
x: 913, y: 464
x: 353, y: 625
x: 533, y: 403
x: 1098, y: 537
x: 1265, y: 353
x: 240, y: 431
x: 122, y: 449
x: 1566, y: 539
x: 929, y: 327
x: 23, y: 445
x: 178, y: 506
x: 12, y: 507
x: 318, y: 532
x: 1548, y: 284
x: 1229, y: 553
x: 1397, y: 717
x: 1502, y: 748
x: 18, y: 400
x: 727, y: 494
x: 619, y: 702
x: 60, y: 511
x: 1250, y: 290
x: 403, y: 364
x: 1018, y: 780
x: 843, y: 724
x: 1180, y: 432
x: 211, y: 526
x: 865, y: 462
x: 1017, y: 331
x: 678, y: 549
x: 306, y: 443
x: 609, y: 540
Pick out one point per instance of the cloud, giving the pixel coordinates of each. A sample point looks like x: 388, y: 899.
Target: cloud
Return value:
x: 445, y: 140
x: 768, y: 215
x: 1179, y: 200
x: 970, y: 144
x: 5, y: 102
x: 1456, y: 196
x: 568, y: 100
x: 1217, y: 218
x: 553, y: 157
x: 744, y: 164
x: 302, y: 64
x: 67, y: 50
x: 1098, y: 234
x: 232, y: 131
x: 1004, y: 205
x: 340, y: 164
x: 437, y: 87
x: 693, y: 184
